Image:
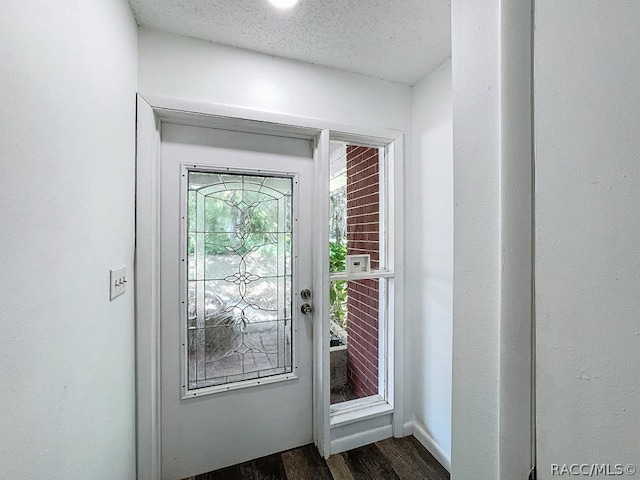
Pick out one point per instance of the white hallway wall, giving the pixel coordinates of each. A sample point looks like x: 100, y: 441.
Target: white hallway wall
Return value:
x: 195, y: 70
x: 429, y: 269
x: 475, y: 403
x: 68, y: 76
x: 587, y: 230
x: 491, y: 414
x: 587, y: 104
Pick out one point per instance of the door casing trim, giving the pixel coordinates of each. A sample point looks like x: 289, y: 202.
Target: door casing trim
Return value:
x: 151, y: 112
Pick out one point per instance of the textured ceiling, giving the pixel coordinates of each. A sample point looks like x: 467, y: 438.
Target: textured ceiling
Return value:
x: 397, y: 40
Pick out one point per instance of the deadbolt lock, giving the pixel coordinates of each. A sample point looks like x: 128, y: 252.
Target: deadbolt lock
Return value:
x: 305, y: 294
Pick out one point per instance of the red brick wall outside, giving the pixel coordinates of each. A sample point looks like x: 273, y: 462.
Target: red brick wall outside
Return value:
x: 363, y: 236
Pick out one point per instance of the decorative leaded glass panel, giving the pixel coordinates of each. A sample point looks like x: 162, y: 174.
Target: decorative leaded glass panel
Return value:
x: 239, y: 277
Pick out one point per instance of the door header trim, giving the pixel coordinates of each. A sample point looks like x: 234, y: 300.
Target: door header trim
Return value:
x: 259, y: 121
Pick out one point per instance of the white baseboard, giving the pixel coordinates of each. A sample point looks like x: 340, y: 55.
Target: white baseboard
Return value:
x: 418, y: 430
x: 407, y: 428
x: 414, y: 427
x: 362, y: 438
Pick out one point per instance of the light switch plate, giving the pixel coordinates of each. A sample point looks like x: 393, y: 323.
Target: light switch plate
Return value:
x: 117, y: 282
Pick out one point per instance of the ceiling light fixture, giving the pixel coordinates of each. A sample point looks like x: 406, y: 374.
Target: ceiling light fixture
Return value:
x: 283, y: 4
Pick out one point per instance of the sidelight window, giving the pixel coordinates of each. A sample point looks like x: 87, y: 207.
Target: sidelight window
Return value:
x: 359, y: 273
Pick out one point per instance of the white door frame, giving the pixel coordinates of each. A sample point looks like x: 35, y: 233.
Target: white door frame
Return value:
x: 151, y: 112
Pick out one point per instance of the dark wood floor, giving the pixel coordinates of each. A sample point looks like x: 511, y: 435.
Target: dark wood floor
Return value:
x: 393, y: 459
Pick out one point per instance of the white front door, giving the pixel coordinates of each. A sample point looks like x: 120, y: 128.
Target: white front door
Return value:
x: 236, y: 352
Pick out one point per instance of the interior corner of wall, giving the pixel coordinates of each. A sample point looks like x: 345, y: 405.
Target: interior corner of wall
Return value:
x: 421, y: 432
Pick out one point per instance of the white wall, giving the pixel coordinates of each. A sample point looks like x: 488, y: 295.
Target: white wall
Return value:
x: 429, y: 269
x: 68, y: 76
x: 186, y: 68
x: 476, y: 127
x: 587, y: 72
x: 491, y: 417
